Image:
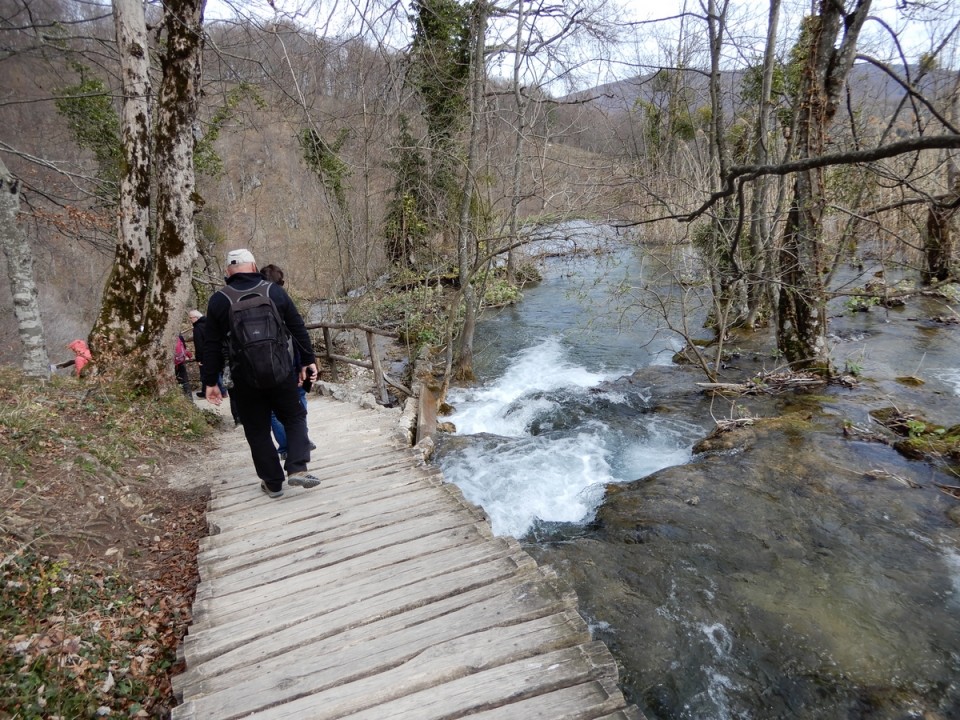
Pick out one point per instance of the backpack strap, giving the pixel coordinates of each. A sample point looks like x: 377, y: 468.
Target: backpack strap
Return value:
x: 235, y: 296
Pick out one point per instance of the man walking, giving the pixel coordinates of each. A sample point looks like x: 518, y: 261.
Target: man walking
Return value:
x: 255, y: 402
x: 199, y: 340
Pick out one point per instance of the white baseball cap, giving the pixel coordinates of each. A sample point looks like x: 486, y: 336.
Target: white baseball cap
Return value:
x: 240, y: 257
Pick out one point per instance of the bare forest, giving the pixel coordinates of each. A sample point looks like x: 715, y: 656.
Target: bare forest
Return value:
x: 141, y: 141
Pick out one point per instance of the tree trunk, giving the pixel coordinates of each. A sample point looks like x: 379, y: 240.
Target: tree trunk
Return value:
x: 938, y: 247
x: 731, y: 296
x: 117, y: 331
x: 176, y: 245
x: 801, y: 320
x: 521, y: 102
x: 26, y: 306
x: 759, y: 300
x: 467, y: 225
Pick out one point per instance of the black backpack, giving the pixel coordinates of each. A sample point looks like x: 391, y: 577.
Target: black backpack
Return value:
x: 261, y: 349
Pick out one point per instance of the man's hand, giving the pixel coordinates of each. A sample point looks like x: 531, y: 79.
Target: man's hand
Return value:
x: 309, y: 371
x: 213, y: 395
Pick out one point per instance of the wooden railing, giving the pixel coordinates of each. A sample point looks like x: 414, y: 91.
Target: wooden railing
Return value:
x: 374, y: 363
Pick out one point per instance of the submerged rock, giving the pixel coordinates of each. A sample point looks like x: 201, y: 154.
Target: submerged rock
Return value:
x: 782, y: 572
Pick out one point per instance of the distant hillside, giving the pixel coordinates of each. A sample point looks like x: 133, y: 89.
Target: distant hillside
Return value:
x: 869, y: 86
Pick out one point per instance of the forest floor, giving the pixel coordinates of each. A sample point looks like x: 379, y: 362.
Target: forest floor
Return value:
x: 103, y: 507
x: 97, y: 552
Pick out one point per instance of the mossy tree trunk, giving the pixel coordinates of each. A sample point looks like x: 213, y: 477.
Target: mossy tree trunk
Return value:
x: 175, y: 249
x: 801, y: 315
x: 118, y: 329
x: 150, y: 282
x: 938, y: 246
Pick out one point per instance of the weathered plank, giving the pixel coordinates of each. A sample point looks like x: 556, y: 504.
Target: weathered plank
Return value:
x: 458, y: 587
x: 426, y: 664
x: 341, y: 586
x: 371, y: 648
x: 273, y: 563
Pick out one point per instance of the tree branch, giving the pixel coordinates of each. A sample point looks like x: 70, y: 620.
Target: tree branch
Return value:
x: 744, y: 173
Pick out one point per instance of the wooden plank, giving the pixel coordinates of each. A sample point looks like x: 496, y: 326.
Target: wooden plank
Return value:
x: 247, y: 498
x: 301, y: 504
x: 331, y: 475
x: 341, y: 584
x: 400, y: 663
x: 334, y: 631
x: 399, y: 478
x: 584, y: 701
x: 305, y: 502
x: 458, y: 585
x: 426, y: 413
x: 321, y: 517
x: 253, y: 567
x: 365, y: 553
x: 513, y: 682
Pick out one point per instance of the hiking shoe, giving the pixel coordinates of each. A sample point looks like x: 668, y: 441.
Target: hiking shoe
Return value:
x: 271, y: 493
x: 303, y: 479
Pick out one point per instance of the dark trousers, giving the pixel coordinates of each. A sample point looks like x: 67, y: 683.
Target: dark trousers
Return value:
x: 183, y: 379
x: 255, y: 407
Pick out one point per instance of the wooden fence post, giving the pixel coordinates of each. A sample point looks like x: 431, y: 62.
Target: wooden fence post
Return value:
x: 377, y: 368
x: 328, y: 343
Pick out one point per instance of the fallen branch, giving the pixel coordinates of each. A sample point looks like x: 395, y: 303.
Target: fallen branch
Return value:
x: 951, y: 490
x: 767, y: 384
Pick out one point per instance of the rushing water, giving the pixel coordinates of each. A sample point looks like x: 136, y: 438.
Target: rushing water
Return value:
x: 810, y: 577
x: 548, y: 438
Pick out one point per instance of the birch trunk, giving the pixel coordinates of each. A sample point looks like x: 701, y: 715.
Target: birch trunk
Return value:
x: 26, y: 306
x: 117, y: 331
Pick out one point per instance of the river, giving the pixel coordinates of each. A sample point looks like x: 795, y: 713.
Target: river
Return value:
x: 806, y: 576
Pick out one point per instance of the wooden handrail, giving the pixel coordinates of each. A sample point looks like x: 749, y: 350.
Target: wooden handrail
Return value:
x: 379, y: 376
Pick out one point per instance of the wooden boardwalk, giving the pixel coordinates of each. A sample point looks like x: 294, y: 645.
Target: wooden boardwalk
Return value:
x: 380, y: 594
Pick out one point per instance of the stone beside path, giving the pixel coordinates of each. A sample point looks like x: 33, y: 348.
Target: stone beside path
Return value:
x: 380, y: 594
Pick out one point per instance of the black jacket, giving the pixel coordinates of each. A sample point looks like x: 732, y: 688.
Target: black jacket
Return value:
x: 217, y: 326
x: 199, y: 337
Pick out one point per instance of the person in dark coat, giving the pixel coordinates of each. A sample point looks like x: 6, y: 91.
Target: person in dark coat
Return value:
x: 275, y: 274
x: 199, y: 321
x: 255, y: 405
